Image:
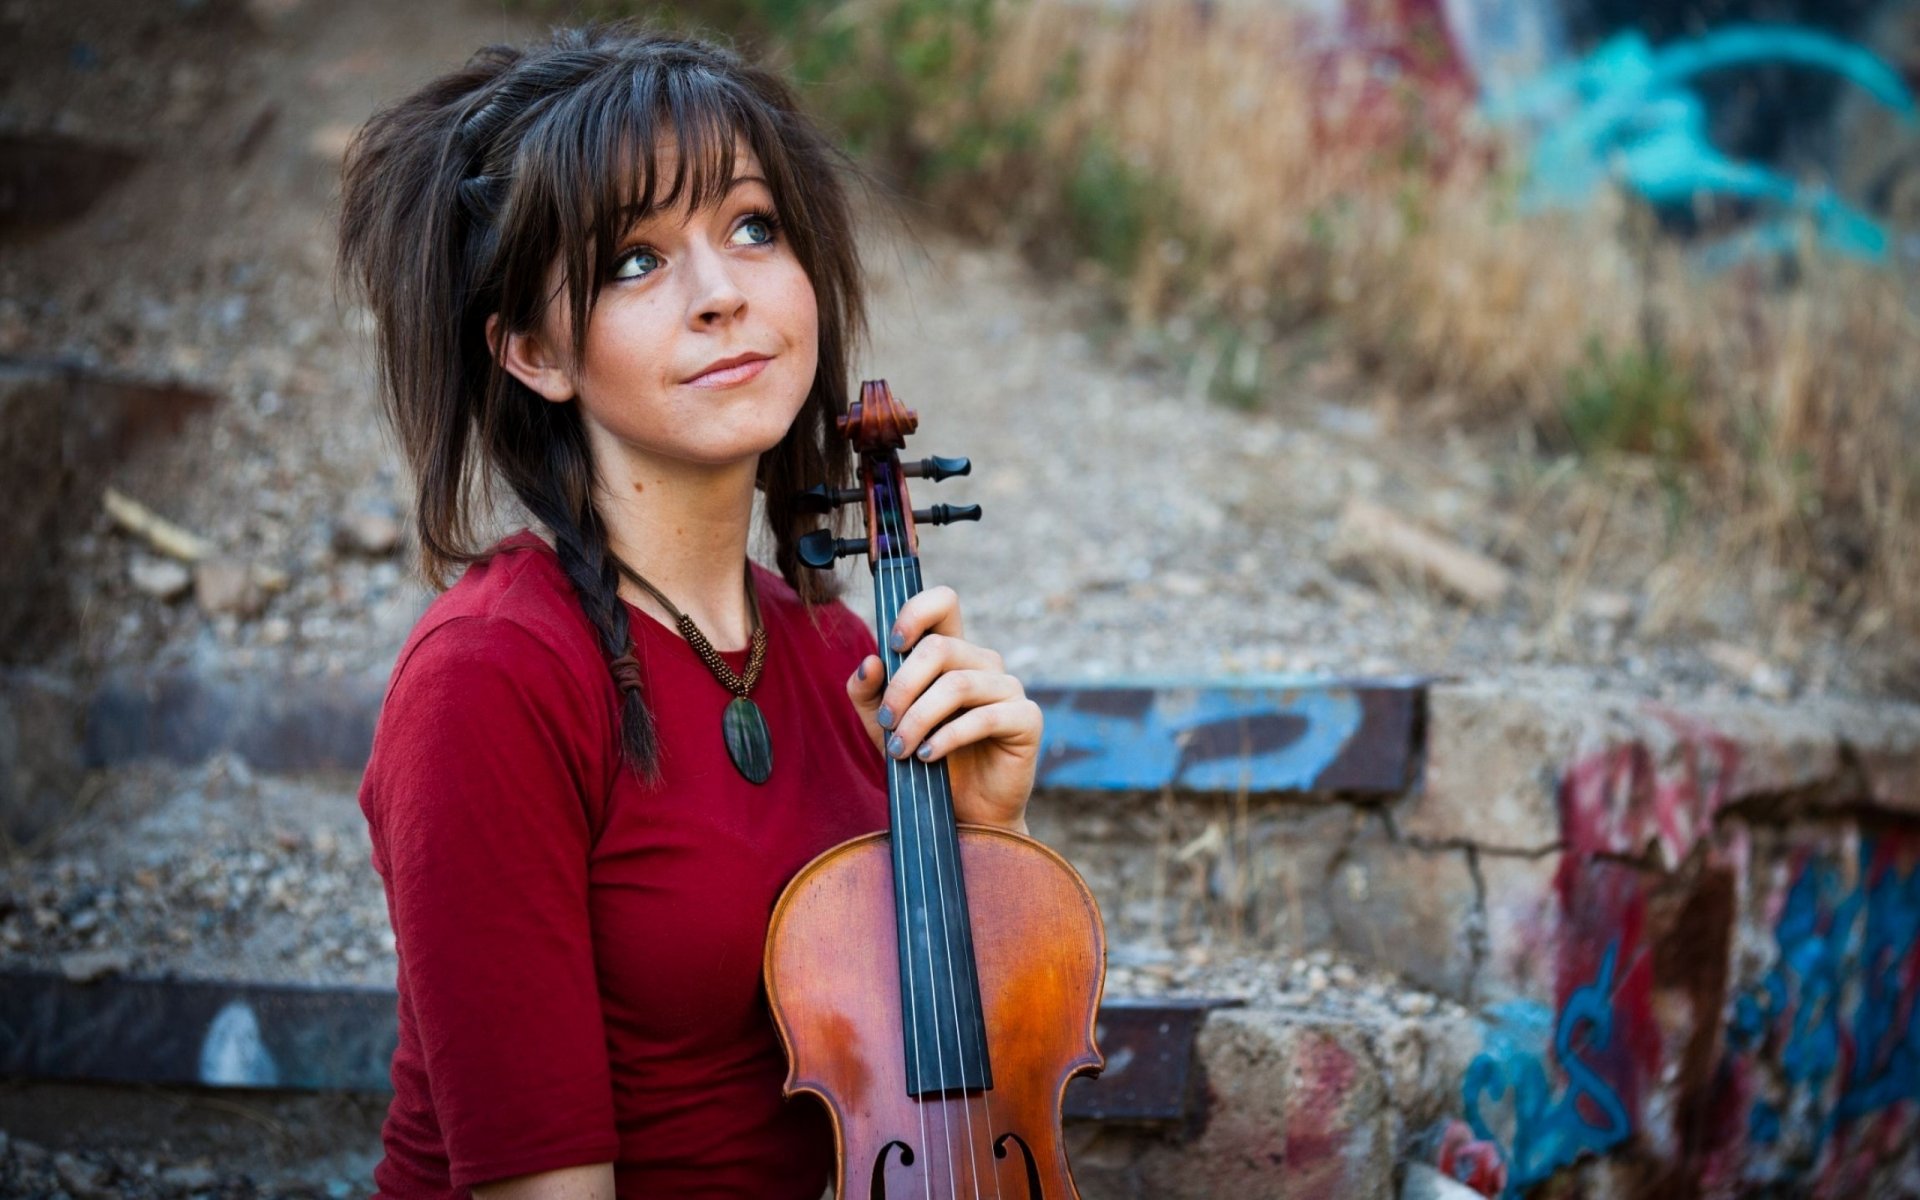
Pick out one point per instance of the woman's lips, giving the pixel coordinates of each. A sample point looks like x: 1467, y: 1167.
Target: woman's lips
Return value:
x: 729, y: 376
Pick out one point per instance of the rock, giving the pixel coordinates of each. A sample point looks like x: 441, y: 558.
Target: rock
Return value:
x: 1608, y: 606
x: 189, y: 1177
x: 162, y: 578
x: 226, y: 585
x: 1751, y: 668
x: 1425, y: 1183
x: 371, y: 532
x: 1380, y: 539
x: 82, y: 1178
x: 85, y: 966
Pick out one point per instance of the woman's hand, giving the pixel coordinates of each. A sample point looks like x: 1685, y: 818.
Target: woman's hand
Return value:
x: 953, y: 700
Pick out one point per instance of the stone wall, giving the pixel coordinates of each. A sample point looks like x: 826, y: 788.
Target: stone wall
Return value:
x: 1689, y: 937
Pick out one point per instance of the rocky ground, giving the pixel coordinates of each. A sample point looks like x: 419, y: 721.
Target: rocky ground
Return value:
x: 1130, y: 527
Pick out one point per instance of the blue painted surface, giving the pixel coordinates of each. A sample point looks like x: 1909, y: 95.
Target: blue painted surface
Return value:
x: 1839, y: 1012
x: 1508, y: 1095
x: 1271, y: 735
x: 1625, y: 114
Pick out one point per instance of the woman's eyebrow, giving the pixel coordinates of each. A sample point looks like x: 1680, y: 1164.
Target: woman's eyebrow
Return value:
x: 637, y: 218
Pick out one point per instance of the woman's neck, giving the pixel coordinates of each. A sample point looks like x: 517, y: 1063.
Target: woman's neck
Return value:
x: 684, y: 528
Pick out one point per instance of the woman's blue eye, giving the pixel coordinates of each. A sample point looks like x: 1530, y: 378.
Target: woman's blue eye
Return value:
x: 767, y: 221
x: 631, y: 256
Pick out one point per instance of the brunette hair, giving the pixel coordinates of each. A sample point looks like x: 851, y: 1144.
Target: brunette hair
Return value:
x: 456, y: 200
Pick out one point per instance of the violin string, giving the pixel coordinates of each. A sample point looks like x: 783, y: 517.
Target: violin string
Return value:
x: 928, y: 774
x: 938, y: 829
x: 910, y: 796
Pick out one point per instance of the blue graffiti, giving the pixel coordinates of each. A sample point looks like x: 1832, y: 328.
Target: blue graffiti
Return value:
x: 1548, y: 1133
x: 1840, y: 1008
x: 1625, y: 114
x: 1263, y: 739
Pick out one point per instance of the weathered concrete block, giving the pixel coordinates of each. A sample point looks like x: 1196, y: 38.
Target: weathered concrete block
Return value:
x: 1422, y: 1060
x: 1500, y: 761
x: 40, y: 766
x: 1295, y: 1111
x: 1407, y: 909
x: 1523, y: 926
x: 1168, y: 866
x: 1494, y: 758
x: 1775, y: 748
x: 1884, y: 738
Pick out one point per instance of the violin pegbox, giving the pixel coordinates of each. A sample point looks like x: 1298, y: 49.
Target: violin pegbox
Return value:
x: 877, y: 425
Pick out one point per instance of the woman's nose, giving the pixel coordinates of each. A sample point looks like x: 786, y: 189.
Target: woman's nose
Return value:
x: 716, y: 293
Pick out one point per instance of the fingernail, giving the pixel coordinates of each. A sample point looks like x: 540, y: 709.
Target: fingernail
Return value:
x: 895, y: 746
x: 860, y: 672
x: 885, y: 717
x: 925, y: 751
x: 897, y: 640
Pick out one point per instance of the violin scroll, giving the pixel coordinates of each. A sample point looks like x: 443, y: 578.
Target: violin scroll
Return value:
x: 877, y: 425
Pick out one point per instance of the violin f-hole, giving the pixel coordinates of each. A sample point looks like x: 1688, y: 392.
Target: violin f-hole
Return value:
x: 877, y: 1190
x: 1034, y: 1190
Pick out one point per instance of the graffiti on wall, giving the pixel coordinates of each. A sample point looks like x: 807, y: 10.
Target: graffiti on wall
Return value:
x: 1627, y: 114
x: 1511, y: 1101
x: 1825, y: 1047
x: 1806, y: 1074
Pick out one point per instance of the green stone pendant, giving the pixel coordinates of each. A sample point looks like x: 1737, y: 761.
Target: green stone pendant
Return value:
x: 747, y: 740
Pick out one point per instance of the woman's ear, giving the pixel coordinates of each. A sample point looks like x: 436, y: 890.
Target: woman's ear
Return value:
x: 527, y: 358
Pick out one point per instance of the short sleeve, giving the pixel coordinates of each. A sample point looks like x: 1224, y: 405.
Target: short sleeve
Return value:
x: 478, y: 799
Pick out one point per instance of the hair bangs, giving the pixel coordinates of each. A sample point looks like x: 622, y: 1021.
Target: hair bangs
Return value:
x: 626, y: 135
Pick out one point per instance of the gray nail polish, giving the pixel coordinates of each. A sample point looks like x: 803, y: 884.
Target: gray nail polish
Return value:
x: 885, y: 717
x: 895, y: 746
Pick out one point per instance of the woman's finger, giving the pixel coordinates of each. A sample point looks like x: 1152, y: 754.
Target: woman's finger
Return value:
x: 1016, y: 723
x: 935, y: 653
x: 936, y: 610
x: 864, y: 687
x: 952, y: 692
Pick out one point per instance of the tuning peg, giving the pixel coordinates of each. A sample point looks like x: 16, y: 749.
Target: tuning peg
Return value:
x: 947, y: 514
x: 819, y: 548
x: 936, y: 469
x: 820, y: 498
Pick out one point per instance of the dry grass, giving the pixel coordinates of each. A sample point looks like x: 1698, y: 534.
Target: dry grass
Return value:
x: 1234, y: 179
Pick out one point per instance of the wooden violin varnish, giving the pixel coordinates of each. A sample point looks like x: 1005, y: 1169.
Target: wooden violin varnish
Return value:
x: 935, y: 984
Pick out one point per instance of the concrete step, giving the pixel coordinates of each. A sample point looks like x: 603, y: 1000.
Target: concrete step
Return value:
x: 1647, y: 942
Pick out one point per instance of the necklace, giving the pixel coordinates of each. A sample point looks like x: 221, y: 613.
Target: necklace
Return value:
x: 742, y: 725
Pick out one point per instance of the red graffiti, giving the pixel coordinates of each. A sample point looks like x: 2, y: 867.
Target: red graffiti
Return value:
x: 1478, y: 1164
x: 1317, y: 1133
x: 1620, y: 800
x: 1392, y: 76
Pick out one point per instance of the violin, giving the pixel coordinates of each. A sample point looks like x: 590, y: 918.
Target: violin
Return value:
x: 934, y: 984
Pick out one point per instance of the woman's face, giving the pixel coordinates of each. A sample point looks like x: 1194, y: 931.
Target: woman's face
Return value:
x: 688, y: 290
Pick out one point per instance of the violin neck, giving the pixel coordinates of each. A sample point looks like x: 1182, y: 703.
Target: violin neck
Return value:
x: 945, y: 1028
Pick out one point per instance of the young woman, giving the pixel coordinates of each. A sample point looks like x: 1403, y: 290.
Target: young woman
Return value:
x: 618, y: 273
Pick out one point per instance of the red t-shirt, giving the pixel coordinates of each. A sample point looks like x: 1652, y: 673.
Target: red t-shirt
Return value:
x: 580, y: 954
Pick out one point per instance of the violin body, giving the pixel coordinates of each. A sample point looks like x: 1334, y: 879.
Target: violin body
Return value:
x: 833, y: 982
x: 934, y: 984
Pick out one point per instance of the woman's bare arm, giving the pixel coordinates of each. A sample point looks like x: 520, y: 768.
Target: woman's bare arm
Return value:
x: 591, y: 1182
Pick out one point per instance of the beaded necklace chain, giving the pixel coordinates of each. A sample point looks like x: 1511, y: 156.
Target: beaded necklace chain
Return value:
x: 743, y: 725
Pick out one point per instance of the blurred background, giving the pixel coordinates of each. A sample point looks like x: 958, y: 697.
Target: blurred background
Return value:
x: 1563, y: 348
